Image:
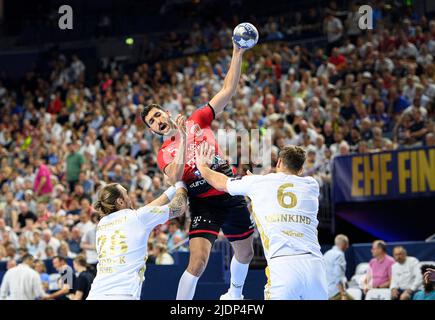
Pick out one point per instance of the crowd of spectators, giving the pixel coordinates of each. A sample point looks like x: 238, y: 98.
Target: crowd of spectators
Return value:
x: 400, y: 277
x: 216, y: 34
x: 62, y: 137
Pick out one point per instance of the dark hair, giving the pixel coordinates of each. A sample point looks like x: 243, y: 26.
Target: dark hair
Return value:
x: 107, y: 197
x: 26, y: 257
x: 81, y: 260
x: 424, y: 267
x: 293, y: 158
x: 147, y: 110
x: 60, y: 258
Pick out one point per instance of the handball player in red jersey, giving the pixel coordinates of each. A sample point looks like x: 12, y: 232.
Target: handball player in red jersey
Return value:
x: 211, y: 210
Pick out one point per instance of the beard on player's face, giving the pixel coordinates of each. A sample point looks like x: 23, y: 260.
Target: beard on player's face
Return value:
x: 161, y: 127
x: 160, y: 123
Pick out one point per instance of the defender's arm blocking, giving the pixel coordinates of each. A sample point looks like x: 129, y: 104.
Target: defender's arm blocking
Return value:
x: 178, y: 205
x: 219, y: 181
x: 204, y: 155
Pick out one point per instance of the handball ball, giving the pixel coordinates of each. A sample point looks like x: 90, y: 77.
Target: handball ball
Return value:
x: 245, y: 35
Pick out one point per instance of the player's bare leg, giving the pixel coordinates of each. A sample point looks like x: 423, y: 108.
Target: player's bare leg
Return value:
x: 243, y: 253
x: 199, y: 253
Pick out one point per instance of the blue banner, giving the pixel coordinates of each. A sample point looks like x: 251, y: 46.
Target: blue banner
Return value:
x: 389, y: 175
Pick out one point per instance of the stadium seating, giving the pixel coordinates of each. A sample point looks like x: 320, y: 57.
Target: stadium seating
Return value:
x: 362, y: 268
x: 357, y: 278
x: 378, y: 294
x: 355, y: 293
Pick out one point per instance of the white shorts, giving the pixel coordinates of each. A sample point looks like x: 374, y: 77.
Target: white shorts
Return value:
x: 100, y: 295
x: 299, y: 277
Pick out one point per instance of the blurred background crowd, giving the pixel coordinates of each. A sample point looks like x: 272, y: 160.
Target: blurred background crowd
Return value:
x: 65, y: 132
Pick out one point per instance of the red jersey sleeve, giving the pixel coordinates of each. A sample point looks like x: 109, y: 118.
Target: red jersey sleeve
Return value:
x: 203, y: 116
x: 160, y: 161
x: 164, y: 157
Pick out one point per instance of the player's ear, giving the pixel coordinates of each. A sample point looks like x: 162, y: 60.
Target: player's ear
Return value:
x: 278, y: 163
x: 120, y: 202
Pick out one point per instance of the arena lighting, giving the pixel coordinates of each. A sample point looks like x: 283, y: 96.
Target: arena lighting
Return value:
x: 129, y: 41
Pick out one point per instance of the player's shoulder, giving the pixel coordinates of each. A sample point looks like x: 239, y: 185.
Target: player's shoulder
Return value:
x: 250, y: 177
x: 107, y: 220
x: 151, y: 209
x: 306, y: 180
x: 294, y: 178
x: 206, y: 109
x: 148, y: 213
x: 312, y: 181
x: 167, y: 143
x: 270, y: 176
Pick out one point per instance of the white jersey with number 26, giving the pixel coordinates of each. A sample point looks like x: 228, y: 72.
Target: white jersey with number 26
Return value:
x: 122, y: 240
x: 285, y: 211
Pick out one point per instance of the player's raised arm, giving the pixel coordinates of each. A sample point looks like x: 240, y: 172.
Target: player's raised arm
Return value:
x: 221, y: 99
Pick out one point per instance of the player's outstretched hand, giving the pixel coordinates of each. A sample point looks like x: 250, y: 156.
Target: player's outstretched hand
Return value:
x: 237, y: 49
x: 204, y: 155
x: 181, y: 124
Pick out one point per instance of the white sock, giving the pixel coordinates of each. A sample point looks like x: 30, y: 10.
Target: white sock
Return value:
x: 187, y: 286
x: 239, y: 272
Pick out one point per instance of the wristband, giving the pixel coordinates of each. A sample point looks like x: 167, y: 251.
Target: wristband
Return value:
x: 170, y: 192
x: 180, y: 184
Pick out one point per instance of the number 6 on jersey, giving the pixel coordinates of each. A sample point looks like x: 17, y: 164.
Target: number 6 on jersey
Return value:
x: 283, y: 195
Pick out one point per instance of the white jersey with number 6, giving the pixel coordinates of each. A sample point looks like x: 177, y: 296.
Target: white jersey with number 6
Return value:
x: 122, y: 240
x: 285, y: 211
